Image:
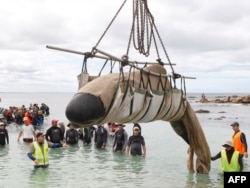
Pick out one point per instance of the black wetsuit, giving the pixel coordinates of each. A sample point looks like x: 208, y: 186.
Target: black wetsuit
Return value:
x: 71, y: 136
x: 54, y: 135
x: 136, y: 143
x: 4, y: 137
x: 87, y: 135
x: 101, y: 135
x: 120, y: 140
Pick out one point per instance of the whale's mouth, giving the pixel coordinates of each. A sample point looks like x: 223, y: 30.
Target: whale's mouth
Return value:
x: 84, y: 110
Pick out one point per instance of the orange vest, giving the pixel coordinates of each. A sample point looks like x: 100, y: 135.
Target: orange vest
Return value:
x: 238, y: 145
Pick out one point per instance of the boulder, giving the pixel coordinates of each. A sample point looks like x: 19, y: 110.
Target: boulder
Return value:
x: 202, y: 111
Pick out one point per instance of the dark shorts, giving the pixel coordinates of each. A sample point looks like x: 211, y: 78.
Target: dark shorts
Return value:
x: 29, y: 140
x: 41, y: 166
x: 119, y: 147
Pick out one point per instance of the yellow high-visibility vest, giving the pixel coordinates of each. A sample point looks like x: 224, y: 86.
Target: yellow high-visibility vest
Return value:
x: 233, y: 166
x: 41, y: 155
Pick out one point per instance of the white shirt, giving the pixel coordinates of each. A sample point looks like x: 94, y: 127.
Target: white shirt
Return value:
x: 28, y: 131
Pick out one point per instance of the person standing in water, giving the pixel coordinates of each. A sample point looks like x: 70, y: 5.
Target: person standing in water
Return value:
x: 4, y: 136
x: 71, y: 135
x: 239, y: 140
x: 27, y: 131
x: 39, y: 153
x: 54, y: 133
x: 231, y: 160
x: 121, y: 139
x: 101, y: 135
x: 136, y: 144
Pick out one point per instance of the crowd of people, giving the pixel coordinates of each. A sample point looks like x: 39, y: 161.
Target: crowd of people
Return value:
x: 34, y: 113
x: 59, y: 136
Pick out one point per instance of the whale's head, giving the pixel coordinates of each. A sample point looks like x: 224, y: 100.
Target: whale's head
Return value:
x: 85, y: 109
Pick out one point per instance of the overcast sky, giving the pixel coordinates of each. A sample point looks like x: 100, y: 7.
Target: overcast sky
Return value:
x: 209, y: 40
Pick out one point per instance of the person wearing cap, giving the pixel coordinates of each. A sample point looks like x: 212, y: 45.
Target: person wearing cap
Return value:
x: 121, y: 139
x: 54, y: 133
x: 231, y: 160
x: 71, y: 135
x: 136, y: 143
x: 38, y: 151
x: 4, y: 136
x: 27, y: 131
x: 137, y: 125
x: 239, y: 140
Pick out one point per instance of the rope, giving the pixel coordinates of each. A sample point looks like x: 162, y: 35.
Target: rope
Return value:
x: 110, y: 24
x: 84, y: 64
x: 102, y: 68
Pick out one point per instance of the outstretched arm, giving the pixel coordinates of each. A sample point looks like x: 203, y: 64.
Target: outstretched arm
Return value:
x: 56, y: 145
x: 7, y: 136
x: 144, y: 150
x: 31, y: 151
x: 19, y: 136
x: 127, y: 150
x: 216, y: 156
x: 125, y: 140
x: 115, y: 140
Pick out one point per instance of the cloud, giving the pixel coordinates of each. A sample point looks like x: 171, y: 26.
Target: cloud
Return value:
x: 208, y: 40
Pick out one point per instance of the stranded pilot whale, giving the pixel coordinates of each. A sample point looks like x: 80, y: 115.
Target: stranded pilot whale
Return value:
x: 140, y: 96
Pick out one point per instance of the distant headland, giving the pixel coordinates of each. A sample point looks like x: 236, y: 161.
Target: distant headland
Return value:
x: 226, y: 99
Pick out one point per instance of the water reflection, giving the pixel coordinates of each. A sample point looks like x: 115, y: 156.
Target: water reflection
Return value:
x: 136, y: 163
x: 195, y: 180
x: 56, y: 153
x: 120, y: 162
x: 73, y: 148
x: 4, y: 150
x: 4, y: 160
x: 39, y: 177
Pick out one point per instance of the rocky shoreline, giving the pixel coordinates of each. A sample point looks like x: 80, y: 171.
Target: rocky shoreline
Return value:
x: 227, y: 99
x: 224, y: 99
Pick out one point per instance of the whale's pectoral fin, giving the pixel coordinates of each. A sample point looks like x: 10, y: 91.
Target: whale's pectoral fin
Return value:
x: 180, y: 129
x: 197, y: 140
x: 190, y: 130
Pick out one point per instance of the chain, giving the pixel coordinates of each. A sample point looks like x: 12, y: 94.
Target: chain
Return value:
x: 142, y: 31
x: 142, y: 28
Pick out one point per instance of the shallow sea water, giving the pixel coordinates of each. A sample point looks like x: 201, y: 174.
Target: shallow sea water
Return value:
x: 84, y: 166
